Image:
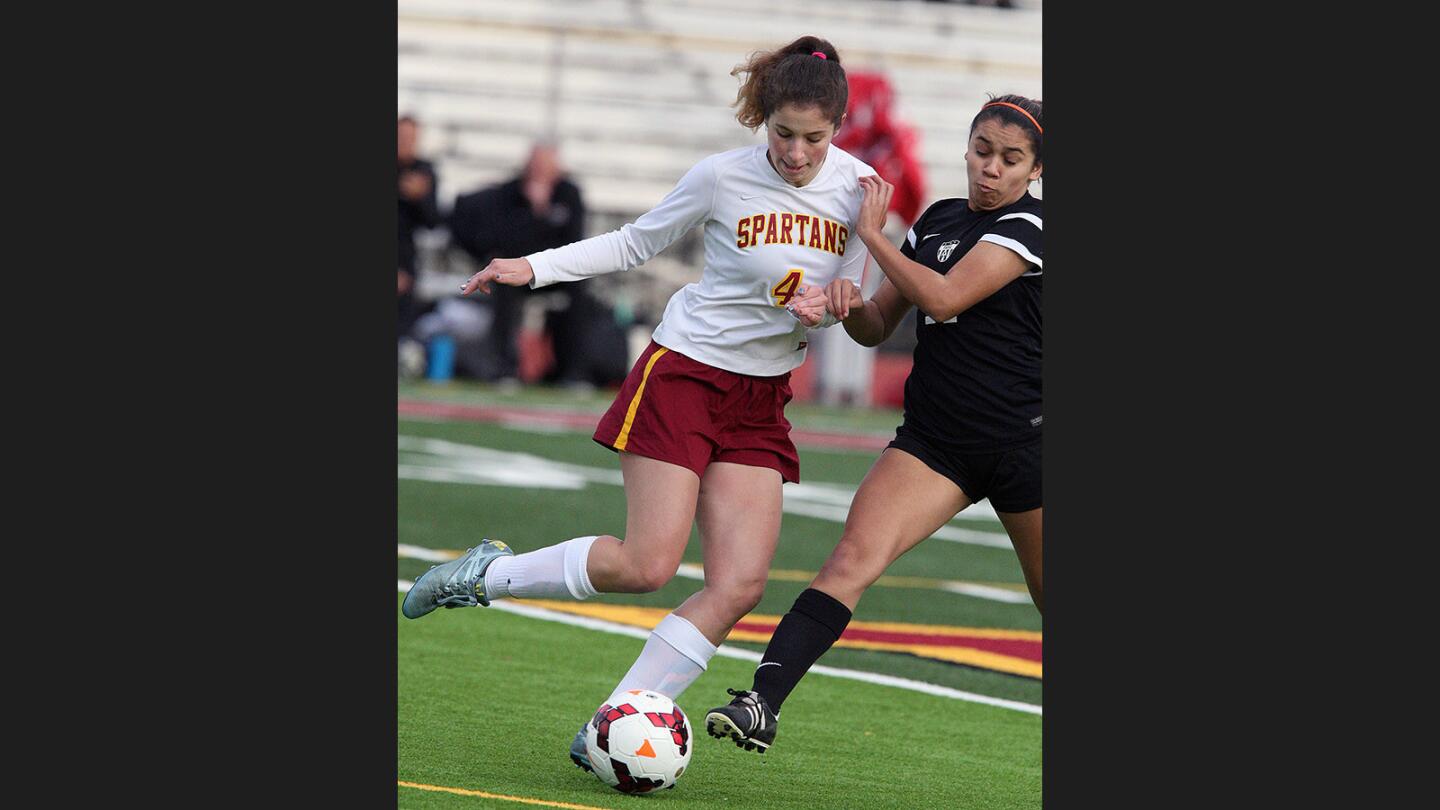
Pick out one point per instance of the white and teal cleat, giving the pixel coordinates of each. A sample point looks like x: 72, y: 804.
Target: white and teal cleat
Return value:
x: 579, y: 754
x: 458, y: 583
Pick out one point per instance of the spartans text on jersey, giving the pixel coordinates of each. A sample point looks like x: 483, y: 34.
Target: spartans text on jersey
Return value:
x: 788, y: 228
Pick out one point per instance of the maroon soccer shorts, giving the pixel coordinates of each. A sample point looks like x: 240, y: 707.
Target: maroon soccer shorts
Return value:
x: 676, y: 409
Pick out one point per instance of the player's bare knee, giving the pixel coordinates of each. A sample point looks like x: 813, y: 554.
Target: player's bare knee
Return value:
x: 854, y: 561
x: 648, y: 576
x: 744, y: 596
x: 641, y: 568
x: 735, y: 597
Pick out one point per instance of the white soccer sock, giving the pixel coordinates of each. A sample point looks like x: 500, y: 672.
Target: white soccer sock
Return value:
x: 674, y: 656
x: 557, y: 570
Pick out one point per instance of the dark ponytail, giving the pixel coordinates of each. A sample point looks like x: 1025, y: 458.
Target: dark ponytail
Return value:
x: 795, y: 75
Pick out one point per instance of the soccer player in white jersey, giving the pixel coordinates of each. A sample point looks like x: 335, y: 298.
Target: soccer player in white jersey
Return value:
x: 972, y: 429
x: 699, y: 423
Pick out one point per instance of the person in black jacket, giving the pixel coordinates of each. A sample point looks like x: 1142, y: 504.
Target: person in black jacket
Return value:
x: 418, y: 209
x: 541, y: 208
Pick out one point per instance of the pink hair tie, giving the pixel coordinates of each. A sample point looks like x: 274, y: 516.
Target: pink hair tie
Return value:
x: 819, y: 54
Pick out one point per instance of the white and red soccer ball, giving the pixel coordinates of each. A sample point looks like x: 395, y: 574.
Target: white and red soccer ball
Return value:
x: 638, y: 742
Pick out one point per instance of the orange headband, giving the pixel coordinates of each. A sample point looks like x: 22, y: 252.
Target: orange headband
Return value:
x: 1016, y: 107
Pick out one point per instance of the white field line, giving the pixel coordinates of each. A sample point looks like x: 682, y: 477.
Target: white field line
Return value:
x: 422, y: 553
x: 972, y: 537
x: 443, y: 461
x: 825, y: 511
x: 987, y: 592
x: 726, y: 650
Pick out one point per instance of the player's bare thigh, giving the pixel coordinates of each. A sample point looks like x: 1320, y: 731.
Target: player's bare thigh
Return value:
x: 660, y: 500
x: 900, y: 503
x: 739, y: 518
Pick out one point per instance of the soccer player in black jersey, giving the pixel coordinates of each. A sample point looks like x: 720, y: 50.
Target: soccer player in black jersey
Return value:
x: 972, y: 401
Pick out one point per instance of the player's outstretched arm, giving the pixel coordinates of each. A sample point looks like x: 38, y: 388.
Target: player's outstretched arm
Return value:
x: 687, y: 205
x: 511, y: 272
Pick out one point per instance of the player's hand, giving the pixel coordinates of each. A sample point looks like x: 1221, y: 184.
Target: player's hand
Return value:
x: 510, y: 272
x: 841, y: 296
x: 875, y: 206
x: 808, y: 305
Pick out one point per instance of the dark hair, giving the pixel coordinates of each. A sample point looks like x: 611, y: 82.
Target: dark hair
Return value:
x: 792, y: 75
x: 407, y: 118
x: 1010, y: 115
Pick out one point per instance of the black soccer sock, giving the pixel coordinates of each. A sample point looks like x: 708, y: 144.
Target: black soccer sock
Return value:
x: 814, y: 623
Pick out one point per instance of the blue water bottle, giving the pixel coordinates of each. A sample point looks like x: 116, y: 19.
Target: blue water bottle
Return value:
x: 442, y: 358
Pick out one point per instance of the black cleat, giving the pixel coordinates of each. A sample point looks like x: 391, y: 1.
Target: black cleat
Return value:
x: 747, y: 720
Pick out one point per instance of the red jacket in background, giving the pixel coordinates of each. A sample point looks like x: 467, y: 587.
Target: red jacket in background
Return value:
x: 872, y: 134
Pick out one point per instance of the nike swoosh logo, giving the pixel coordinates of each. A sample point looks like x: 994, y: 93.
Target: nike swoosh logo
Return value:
x: 748, y: 196
x: 927, y: 236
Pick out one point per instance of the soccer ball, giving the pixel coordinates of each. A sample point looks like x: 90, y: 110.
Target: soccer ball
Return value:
x: 638, y: 742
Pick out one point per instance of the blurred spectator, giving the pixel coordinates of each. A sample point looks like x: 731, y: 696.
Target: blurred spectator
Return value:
x: 538, y: 209
x: 418, y: 209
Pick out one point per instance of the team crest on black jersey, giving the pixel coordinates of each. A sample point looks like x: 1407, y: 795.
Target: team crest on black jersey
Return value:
x: 946, y: 249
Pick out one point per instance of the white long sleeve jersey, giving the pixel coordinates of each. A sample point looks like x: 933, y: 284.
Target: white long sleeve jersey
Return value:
x: 764, y: 238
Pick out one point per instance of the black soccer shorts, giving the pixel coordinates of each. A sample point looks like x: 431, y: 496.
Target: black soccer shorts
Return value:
x: 1009, y: 478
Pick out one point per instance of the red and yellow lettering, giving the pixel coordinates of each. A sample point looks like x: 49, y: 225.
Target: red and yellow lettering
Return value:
x: 790, y: 228
x: 785, y: 289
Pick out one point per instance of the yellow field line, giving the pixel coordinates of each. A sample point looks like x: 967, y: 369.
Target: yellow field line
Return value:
x: 647, y: 617
x: 955, y: 655
x: 482, y: 794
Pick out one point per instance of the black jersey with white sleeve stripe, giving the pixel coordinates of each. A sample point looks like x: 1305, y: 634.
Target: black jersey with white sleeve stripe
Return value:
x: 975, y: 383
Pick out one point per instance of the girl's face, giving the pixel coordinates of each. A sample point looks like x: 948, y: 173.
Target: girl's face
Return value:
x: 1000, y: 165
x: 798, y: 138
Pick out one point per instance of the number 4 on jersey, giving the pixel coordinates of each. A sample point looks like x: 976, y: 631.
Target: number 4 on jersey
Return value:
x: 785, y: 290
